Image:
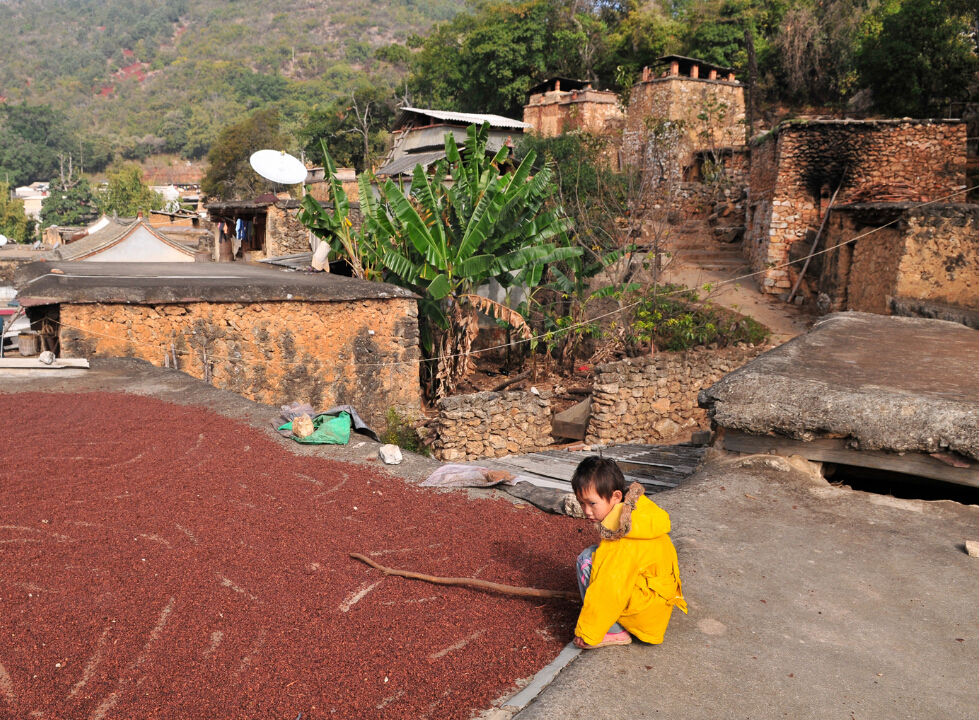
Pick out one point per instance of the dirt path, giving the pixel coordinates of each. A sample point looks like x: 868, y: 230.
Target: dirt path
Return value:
x: 784, y: 320
x: 159, y: 560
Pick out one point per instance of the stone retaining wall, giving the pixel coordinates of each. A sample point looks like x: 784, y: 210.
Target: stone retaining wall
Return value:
x: 490, y: 424
x: 654, y: 399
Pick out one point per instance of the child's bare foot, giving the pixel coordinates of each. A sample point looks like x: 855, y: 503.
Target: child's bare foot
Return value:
x: 619, y: 638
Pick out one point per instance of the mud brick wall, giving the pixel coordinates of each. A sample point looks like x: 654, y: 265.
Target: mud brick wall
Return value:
x: 654, y: 399
x: 557, y: 112
x: 873, y: 270
x: 941, y: 257
x: 489, y: 424
x: 682, y: 98
x: 323, y: 353
x: 931, y: 253
x: 790, y: 166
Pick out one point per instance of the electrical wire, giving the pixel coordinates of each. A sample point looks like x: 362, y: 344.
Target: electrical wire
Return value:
x: 543, y: 336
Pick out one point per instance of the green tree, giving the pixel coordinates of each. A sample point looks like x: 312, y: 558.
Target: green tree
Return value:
x: 14, y: 223
x: 228, y: 173
x: 485, y: 61
x: 69, y: 205
x: 31, y: 139
x: 126, y: 195
x: 923, y: 56
x: 354, y: 128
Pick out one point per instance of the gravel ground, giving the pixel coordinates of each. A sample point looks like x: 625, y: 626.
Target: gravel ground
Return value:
x: 160, y: 560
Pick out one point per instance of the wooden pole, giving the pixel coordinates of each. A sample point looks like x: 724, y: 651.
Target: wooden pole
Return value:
x: 471, y: 582
x: 815, y: 242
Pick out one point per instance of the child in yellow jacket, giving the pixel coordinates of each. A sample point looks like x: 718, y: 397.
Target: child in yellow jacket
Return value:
x: 630, y: 581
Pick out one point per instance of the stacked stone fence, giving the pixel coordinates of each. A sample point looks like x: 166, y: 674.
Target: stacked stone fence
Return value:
x: 491, y: 424
x: 654, y: 399
x: 637, y: 400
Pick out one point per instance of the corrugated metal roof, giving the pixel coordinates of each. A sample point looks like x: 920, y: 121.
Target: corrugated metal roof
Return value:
x: 405, y: 164
x: 496, y: 121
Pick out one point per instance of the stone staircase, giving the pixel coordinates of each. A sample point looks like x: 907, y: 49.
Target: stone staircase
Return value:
x: 712, y: 242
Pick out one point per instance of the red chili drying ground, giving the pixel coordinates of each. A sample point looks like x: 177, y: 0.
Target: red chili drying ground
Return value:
x: 159, y: 561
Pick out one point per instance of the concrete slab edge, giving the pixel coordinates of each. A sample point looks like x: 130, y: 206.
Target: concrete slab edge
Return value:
x: 542, y: 679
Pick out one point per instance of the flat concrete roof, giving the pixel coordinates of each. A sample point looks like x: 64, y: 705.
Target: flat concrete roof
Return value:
x: 890, y: 383
x: 50, y: 283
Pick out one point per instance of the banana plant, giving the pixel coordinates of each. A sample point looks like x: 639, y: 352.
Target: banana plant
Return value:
x: 446, y: 238
x: 462, y: 227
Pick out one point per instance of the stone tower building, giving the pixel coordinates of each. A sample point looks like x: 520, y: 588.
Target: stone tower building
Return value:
x: 683, y: 89
x: 561, y: 105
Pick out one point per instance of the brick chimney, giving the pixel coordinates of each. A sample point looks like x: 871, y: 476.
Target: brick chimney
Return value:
x: 675, y: 67
x: 695, y: 71
x: 557, y: 86
x: 713, y: 75
x: 730, y: 77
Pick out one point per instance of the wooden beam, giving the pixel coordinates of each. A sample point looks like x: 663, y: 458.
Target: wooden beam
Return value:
x: 573, y: 422
x: 834, y: 450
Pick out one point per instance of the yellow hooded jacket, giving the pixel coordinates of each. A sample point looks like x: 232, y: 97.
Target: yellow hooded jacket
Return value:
x: 635, y: 577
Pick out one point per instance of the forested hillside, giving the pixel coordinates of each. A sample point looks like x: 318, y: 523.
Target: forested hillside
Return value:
x: 105, y: 80
x: 134, y: 77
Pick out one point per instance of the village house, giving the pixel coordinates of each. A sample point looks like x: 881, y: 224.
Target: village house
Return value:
x: 118, y: 241
x: 798, y: 166
x: 561, y: 105
x: 419, y: 137
x: 684, y: 90
x: 33, y: 196
x: 268, y: 334
x: 258, y: 229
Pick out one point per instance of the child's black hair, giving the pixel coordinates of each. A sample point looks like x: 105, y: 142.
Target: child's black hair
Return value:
x: 600, y: 473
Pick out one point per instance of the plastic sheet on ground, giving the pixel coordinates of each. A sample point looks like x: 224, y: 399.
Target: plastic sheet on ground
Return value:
x: 294, y: 410
x: 327, y: 430
x: 467, y: 476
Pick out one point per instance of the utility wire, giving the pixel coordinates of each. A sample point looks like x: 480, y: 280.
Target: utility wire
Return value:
x: 543, y: 336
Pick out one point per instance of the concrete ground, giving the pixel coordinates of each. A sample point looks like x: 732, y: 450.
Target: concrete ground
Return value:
x: 806, y: 600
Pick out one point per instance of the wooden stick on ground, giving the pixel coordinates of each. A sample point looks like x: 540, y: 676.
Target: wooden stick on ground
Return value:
x: 470, y: 582
x: 512, y: 381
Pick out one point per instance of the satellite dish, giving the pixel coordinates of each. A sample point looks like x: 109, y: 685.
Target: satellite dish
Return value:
x: 279, y: 167
x: 3, y: 240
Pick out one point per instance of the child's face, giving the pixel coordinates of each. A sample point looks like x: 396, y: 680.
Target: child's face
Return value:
x: 595, y: 506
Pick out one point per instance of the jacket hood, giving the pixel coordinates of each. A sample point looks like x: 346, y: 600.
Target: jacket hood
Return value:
x: 637, y: 517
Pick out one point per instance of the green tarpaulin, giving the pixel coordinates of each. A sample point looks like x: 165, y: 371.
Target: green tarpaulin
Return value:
x: 327, y: 430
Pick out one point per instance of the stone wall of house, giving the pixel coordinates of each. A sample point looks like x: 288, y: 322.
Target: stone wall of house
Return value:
x: 490, y: 424
x: 797, y: 163
x: 683, y: 98
x: 882, y: 250
x: 654, y: 399
x: 557, y: 112
x: 363, y: 353
x: 284, y: 234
